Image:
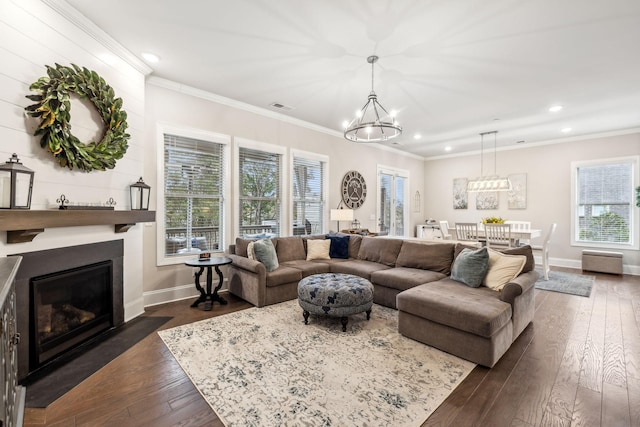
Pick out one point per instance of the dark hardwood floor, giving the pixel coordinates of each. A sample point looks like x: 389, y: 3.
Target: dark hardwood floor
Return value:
x: 578, y: 364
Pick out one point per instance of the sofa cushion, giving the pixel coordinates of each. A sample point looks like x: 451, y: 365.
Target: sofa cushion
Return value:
x: 358, y: 267
x: 318, y: 249
x: 307, y: 268
x: 530, y: 265
x: 502, y: 269
x: 402, y: 278
x: 470, y: 267
x: 283, y: 275
x: 289, y: 248
x: 475, y: 310
x: 427, y: 256
x: 382, y: 250
x: 266, y: 254
x: 241, y: 246
x: 339, y: 246
x: 355, y: 240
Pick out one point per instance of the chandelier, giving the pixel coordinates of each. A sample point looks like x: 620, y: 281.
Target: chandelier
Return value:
x: 372, y: 122
x: 489, y: 182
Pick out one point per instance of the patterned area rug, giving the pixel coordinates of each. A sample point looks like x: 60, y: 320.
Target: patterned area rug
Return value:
x: 568, y: 283
x: 265, y: 367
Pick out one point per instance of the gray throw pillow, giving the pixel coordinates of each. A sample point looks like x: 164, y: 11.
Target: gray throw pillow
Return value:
x: 266, y: 253
x: 470, y: 267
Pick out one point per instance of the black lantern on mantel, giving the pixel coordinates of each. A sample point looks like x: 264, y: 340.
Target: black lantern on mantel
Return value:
x: 16, y: 184
x: 140, y: 193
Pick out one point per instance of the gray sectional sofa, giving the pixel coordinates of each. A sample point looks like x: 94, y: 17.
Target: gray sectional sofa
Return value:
x: 476, y: 323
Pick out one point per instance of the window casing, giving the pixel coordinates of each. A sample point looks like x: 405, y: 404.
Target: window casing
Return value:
x: 308, y: 189
x: 259, y: 189
x: 604, y: 213
x: 192, y: 211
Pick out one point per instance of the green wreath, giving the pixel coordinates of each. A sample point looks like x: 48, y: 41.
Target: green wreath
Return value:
x: 54, y: 108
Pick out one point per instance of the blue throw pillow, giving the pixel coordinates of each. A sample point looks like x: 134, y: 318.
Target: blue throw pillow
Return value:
x: 265, y: 252
x: 470, y: 267
x: 339, y: 246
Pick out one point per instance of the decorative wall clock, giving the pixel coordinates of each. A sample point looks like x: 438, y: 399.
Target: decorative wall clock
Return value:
x: 354, y: 189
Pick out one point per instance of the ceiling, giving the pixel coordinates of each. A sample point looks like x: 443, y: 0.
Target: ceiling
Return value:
x: 451, y: 68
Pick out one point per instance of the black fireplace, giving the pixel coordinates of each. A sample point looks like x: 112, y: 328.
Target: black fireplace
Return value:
x: 69, y: 307
x: 66, y: 297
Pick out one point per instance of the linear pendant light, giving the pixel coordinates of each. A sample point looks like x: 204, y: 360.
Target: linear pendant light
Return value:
x: 489, y: 182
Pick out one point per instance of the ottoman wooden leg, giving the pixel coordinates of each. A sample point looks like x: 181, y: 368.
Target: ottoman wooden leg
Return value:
x: 305, y: 313
x: 368, y: 314
x: 344, y: 321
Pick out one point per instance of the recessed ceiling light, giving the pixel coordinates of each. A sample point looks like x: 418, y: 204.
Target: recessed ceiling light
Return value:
x: 566, y: 130
x: 151, y: 57
x: 448, y: 148
x: 555, y: 108
x: 417, y: 136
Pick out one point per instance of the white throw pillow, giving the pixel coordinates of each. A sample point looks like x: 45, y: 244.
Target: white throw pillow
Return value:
x: 318, y: 249
x: 502, y: 269
x: 251, y: 254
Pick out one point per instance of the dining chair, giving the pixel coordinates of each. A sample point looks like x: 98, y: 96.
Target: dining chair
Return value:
x: 520, y: 226
x: 444, y: 230
x: 545, y: 250
x: 498, y: 235
x: 467, y: 231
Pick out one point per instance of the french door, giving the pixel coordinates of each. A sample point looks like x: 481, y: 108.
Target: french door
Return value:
x: 393, y: 185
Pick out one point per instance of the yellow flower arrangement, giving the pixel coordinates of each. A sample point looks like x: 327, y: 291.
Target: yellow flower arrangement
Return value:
x: 493, y: 220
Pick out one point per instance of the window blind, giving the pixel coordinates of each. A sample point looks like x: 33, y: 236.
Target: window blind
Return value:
x: 193, y: 183
x: 308, y: 195
x: 259, y: 183
x: 604, y: 204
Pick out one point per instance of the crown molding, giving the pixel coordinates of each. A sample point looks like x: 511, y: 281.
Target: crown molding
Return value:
x: 65, y: 10
x: 208, y: 96
x: 536, y: 144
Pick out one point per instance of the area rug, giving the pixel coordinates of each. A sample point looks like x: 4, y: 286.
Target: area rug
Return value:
x: 265, y: 367
x: 568, y: 283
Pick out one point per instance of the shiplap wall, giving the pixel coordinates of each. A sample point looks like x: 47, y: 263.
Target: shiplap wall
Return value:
x: 34, y: 34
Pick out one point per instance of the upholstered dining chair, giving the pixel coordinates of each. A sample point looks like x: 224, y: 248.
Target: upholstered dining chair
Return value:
x: 498, y: 235
x: 467, y: 231
x: 444, y: 230
x: 545, y: 250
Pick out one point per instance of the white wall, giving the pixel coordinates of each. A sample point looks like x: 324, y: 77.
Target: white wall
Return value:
x: 33, y: 35
x: 548, y: 169
x: 178, y: 106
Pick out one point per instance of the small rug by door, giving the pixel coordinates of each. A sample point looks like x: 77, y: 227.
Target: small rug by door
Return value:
x: 265, y: 367
x: 568, y: 283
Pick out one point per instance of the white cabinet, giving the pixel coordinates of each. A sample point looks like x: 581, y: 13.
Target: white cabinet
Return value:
x: 12, y: 402
x: 428, y: 232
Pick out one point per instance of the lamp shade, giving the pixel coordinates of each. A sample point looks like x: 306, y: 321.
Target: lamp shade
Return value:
x: 140, y: 194
x: 341, y: 215
x: 16, y: 184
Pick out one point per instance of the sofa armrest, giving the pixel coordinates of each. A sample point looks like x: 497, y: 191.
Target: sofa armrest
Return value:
x: 248, y: 264
x: 518, y: 286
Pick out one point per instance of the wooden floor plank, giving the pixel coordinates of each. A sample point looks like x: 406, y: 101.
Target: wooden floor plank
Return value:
x: 530, y: 386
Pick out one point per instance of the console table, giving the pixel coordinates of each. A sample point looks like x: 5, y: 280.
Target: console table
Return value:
x: 208, y: 297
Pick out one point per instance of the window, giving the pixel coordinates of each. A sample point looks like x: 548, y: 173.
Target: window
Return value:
x: 191, y: 211
x: 604, y: 214
x: 259, y: 181
x: 308, y: 189
x: 393, y: 209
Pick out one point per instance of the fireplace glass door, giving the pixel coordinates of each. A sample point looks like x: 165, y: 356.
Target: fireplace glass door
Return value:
x: 69, y: 308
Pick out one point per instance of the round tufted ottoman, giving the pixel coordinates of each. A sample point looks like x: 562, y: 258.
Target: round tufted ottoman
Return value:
x: 334, y: 294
